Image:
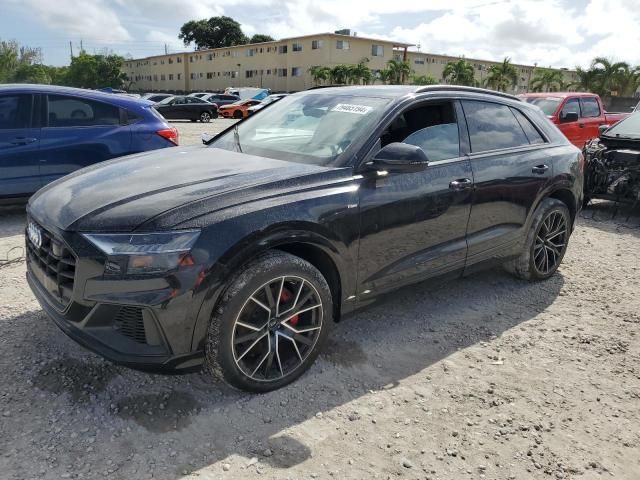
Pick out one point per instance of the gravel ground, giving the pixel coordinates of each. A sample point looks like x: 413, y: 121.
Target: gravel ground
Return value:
x: 485, y: 377
x: 190, y: 131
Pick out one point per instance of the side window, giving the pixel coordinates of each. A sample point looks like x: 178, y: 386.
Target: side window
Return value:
x: 529, y: 129
x: 15, y: 111
x: 80, y: 112
x: 431, y: 127
x: 572, y: 105
x: 590, y: 107
x: 492, y: 126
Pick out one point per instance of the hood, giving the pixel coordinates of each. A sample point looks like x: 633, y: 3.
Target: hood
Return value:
x: 121, y: 194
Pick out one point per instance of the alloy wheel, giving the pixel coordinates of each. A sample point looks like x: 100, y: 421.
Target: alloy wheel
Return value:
x: 205, y: 117
x: 550, y: 243
x: 277, y: 328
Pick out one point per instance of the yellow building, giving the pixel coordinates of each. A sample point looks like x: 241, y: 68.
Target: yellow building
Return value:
x: 283, y: 65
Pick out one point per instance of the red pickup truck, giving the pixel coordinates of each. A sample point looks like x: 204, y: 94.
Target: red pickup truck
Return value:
x: 577, y: 115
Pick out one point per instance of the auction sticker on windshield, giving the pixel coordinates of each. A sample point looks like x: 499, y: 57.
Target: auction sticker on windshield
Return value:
x: 349, y: 108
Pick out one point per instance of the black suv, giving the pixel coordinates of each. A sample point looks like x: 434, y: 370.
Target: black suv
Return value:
x: 242, y: 254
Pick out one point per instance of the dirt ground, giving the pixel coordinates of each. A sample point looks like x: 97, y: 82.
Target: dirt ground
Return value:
x: 484, y: 377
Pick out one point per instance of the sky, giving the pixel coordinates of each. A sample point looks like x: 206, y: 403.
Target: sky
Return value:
x: 557, y: 33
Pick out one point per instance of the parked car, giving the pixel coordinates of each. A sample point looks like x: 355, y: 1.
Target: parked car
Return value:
x: 244, y: 254
x: 221, y: 99
x: 267, y: 101
x: 47, y: 132
x: 187, y: 108
x: 613, y: 163
x: 198, y: 94
x: 577, y: 115
x: 237, y: 109
x: 156, y: 97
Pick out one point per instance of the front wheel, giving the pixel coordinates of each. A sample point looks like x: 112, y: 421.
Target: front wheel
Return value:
x: 205, y: 117
x: 270, y: 323
x: 546, y: 242
x: 237, y: 114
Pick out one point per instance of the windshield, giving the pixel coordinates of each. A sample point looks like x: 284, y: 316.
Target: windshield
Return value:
x: 308, y: 128
x: 548, y: 105
x: 164, y: 101
x: 627, y: 128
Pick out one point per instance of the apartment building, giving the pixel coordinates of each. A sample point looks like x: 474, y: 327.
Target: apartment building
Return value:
x: 283, y: 65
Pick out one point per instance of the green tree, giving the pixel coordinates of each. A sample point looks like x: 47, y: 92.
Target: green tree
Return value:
x: 96, y: 71
x: 502, y: 76
x: 340, y: 74
x: 217, y: 32
x: 400, y: 70
x: 320, y: 74
x: 31, y: 74
x: 14, y: 57
x: 261, y: 38
x: 385, y: 76
x: 547, y: 80
x: 359, y: 73
x: 459, y: 72
x: 423, y: 80
x: 610, y: 76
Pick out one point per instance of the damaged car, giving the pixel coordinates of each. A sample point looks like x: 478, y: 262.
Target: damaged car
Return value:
x: 613, y: 163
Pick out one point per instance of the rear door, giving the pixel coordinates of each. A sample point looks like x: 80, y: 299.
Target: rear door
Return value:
x: 510, y: 168
x: 80, y: 132
x: 572, y: 130
x: 19, y: 143
x: 413, y: 225
x: 592, y: 118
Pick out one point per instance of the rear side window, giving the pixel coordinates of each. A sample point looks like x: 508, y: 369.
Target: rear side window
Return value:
x: 130, y: 117
x: 15, y: 111
x: 572, y: 105
x: 67, y: 111
x: 529, y: 129
x: 492, y: 126
x: 590, y: 107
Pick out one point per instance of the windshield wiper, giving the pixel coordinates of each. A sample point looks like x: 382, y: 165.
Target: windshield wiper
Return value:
x: 236, y: 137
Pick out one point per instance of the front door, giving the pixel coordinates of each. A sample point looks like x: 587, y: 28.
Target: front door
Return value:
x: 413, y: 225
x: 591, y: 119
x: 573, y: 130
x: 510, y: 167
x: 19, y: 143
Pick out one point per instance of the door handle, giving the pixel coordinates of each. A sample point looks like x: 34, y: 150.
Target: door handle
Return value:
x: 460, y: 184
x: 581, y: 125
x: 23, y: 141
x: 540, y: 169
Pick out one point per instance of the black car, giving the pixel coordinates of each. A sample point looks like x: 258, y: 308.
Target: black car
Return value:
x: 244, y: 253
x: 187, y: 108
x: 613, y: 163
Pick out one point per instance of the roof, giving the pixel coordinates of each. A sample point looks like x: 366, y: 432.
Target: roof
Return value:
x: 114, y: 98
x: 558, y: 94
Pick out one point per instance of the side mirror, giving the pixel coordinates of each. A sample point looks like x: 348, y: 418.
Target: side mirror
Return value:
x: 206, y: 137
x: 603, y: 128
x: 398, y: 158
x: 569, y: 117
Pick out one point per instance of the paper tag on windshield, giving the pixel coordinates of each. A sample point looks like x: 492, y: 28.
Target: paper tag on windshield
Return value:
x: 349, y: 108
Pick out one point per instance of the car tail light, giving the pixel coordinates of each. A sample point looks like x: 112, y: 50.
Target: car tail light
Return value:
x: 170, y: 134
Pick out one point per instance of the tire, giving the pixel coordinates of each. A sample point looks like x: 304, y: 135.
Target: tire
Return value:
x: 237, y: 114
x: 205, y: 117
x: 260, y: 353
x: 546, y: 224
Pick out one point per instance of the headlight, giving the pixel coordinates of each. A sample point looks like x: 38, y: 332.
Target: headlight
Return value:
x: 144, y: 253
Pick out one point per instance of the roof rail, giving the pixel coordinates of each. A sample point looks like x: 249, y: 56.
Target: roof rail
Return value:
x: 462, y: 88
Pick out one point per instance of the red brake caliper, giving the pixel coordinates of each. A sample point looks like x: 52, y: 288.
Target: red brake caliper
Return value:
x: 285, y: 297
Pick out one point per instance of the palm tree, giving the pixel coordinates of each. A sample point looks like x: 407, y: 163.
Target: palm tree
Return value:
x: 547, y: 80
x: 359, y: 73
x: 587, y: 80
x: 459, y: 72
x: 502, y: 76
x: 630, y: 82
x: 384, y: 75
x: 400, y: 70
x: 611, y: 75
x: 423, y: 80
x: 320, y: 74
x: 339, y: 74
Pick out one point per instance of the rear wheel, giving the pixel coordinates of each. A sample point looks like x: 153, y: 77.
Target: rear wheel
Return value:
x: 205, y: 117
x: 270, y: 324
x: 237, y: 114
x: 546, y: 242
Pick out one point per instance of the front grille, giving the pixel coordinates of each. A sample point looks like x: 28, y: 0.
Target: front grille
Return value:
x: 56, y: 264
x: 130, y: 323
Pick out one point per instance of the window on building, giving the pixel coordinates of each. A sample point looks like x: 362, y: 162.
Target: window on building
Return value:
x: 170, y: 61
x: 296, y: 71
x: 179, y: 60
x: 210, y: 57
x: 209, y: 75
x: 316, y: 44
x: 67, y: 111
x: 179, y: 76
x: 492, y: 126
x: 282, y: 49
x: 171, y: 76
x: 342, y: 44
x: 235, y: 74
x: 191, y: 59
x: 296, y: 47
x: 192, y: 76
x: 155, y: 77
x: 282, y: 72
x: 163, y: 78
x: 200, y: 75
x: 419, y: 61
x: 250, y: 52
x: 377, y: 51
x: 248, y: 74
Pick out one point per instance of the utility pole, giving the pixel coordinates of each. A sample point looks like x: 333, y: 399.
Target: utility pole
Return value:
x: 71, y: 49
x: 165, y: 49
x: 81, y: 47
